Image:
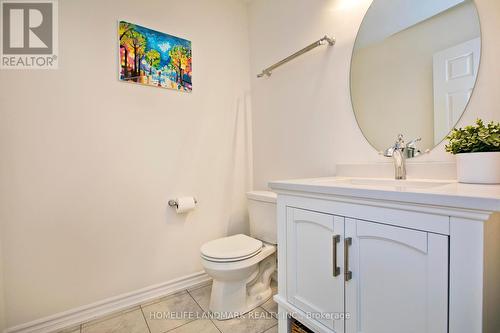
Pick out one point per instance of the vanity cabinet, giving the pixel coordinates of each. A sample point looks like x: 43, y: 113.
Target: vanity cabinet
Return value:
x: 314, y: 265
x: 399, y: 279
x: 349, y: 263
x: 381, y: 277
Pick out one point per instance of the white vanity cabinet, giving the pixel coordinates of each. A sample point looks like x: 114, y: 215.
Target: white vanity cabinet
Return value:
x: 399, y: 279
x: 353, y: 263
x: 382, y: 276
x: 316, y: 285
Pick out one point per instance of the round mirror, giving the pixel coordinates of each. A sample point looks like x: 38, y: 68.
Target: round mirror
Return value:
x: 413, y: 70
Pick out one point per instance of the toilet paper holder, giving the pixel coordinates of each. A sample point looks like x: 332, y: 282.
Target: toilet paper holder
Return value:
x: 174, y: 203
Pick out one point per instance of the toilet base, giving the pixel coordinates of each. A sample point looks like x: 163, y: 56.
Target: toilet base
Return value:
x: 251, y: 303
x: 230, y: 299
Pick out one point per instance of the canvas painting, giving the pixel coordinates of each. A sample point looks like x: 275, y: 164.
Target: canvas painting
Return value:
x: 154, y: 58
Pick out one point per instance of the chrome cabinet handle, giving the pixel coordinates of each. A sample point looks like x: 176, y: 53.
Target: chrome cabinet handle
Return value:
x: 348, y: 273
x: 336, y: 268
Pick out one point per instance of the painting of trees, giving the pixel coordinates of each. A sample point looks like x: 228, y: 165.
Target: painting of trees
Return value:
x: 125, y: 30
x: 154, y: 58
x: 131, y: 43
x: 138, y: 43
x: 180, y: 57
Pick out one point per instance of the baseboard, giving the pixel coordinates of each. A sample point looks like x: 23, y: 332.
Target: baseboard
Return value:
x: 85, y: 313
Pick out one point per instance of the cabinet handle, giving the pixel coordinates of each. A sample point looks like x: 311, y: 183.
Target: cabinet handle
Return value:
x: 348, y: 273
x: 336, y: 268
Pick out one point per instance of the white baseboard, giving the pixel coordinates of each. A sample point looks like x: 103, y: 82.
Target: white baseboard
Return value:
x: 85, y: 313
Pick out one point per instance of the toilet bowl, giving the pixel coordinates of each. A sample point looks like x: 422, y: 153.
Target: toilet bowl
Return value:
x: 242, y: 266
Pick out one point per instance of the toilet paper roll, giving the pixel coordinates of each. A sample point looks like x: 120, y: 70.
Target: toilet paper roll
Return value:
x: 185, y: 204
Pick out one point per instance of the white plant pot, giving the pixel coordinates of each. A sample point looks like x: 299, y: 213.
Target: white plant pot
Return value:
x: 479, y: 168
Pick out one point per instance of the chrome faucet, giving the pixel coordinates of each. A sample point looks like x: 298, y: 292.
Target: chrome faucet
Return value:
x: 399, y: 152
x: 411, y: 148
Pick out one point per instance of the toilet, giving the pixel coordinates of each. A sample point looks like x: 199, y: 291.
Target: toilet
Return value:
x: 241, y: 266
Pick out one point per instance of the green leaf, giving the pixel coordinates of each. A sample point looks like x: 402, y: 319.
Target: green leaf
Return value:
x: 475, y: 139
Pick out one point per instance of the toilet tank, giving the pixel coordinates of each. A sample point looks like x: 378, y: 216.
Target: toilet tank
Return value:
x: 262, y: 214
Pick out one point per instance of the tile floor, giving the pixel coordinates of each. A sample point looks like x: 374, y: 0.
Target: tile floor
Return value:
x: 149, y: 317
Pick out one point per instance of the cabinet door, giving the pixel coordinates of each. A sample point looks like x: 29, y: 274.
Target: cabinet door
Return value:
x: 399, y: 279
x: 315, y: 261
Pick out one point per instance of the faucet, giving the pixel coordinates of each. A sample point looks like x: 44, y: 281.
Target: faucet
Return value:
x: 411, y: 148
x: 399, y: 153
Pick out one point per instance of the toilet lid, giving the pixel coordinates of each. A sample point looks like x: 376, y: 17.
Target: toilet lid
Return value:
x: 232, y: 247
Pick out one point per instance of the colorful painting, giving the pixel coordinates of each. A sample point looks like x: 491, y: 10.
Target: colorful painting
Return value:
x: 154, y: 58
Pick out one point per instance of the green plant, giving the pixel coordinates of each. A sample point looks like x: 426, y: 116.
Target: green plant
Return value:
x: 475, y: 139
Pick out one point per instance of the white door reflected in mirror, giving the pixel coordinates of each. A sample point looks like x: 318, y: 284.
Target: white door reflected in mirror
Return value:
x: 455, y: 72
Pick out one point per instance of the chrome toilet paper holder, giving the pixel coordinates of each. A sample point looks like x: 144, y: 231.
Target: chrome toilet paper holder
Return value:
x: 174, y: 203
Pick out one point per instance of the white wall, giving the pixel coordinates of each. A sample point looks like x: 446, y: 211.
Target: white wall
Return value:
x: 303, y: 119
x: 88, y: 162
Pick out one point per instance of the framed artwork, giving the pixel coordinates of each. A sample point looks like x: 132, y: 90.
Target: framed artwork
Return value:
x: 154, y: 58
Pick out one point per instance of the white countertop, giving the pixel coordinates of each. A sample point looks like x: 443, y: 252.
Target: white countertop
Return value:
x: 440, y: 193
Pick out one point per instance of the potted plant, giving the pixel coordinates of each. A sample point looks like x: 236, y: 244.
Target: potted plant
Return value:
x: 478, y: 152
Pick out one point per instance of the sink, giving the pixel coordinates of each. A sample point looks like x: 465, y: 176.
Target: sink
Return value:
x: 384, y: 182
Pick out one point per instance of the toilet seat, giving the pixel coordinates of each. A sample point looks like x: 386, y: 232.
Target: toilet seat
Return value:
x: 232, y: 248
x: 222, y: 260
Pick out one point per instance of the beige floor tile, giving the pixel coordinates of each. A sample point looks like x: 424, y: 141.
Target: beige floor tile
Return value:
x: 178, y: 313
x: 197, y: 326
x: 171, y: 313
x: 202, y: 296
x: 126, y: 322
x: 256, y: 321
x: 272, y: 330
x: 271, y: 306
x: 156, y: 300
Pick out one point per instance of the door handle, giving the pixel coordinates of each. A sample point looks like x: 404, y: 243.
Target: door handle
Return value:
x: 348, y: 273
x: 335, y: 242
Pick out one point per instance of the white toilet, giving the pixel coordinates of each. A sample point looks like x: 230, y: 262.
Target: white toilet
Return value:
x: 241, y: 266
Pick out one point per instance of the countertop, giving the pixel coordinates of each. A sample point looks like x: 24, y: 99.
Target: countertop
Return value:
x: 441, y: 193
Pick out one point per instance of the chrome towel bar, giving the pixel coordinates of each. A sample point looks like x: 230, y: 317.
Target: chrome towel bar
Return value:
x: 323, y: 41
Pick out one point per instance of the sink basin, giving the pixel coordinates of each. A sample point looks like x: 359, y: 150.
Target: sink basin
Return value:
x: 383, y: 182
